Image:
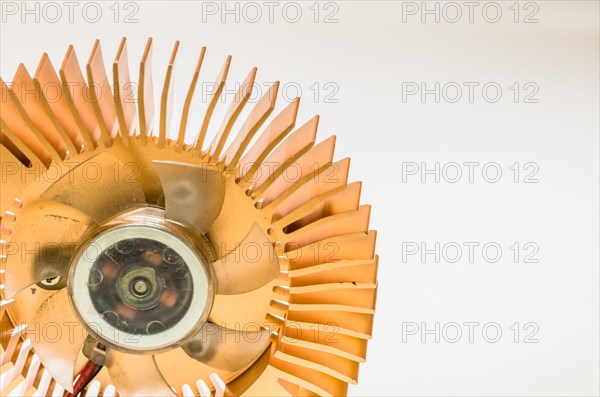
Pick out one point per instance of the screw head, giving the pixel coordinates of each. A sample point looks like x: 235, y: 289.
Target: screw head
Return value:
x: 140, y: 287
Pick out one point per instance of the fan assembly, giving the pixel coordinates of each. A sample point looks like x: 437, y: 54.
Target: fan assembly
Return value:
x: 136, y: 263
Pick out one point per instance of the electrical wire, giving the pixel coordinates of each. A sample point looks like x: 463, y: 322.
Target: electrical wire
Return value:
x: 87, y: 374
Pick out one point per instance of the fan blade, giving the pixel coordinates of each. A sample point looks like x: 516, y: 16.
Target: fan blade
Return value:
x: 22, y: 277
x: 59, y: 354
x: 252, y: 264
x: 193, y: 194
x: 136, y: 375
x: 100, y: 187
x: 227, y: 349
x: 49, y: 235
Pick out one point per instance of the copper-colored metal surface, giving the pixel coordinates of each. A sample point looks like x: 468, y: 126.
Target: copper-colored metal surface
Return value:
x: 59, y: 358
x: 123, y: 93
x: 49, y: 85
x: 212, y: 103
x: 75, y: 90
x: 146, y: 94
x: 291, y: 253
x: 101, y: 95
x: 188, y: 102
x: 147, y: 381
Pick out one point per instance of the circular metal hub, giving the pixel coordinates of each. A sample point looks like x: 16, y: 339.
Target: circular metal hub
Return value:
x: 141, y: 284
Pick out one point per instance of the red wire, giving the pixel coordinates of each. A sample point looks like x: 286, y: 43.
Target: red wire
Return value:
x: 85, y: 376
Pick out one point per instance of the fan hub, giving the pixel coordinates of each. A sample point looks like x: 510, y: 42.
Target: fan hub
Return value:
x: 139, y: 287
x: 140, y: 283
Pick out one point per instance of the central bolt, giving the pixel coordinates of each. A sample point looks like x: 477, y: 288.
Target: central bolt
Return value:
x: 140, y: 287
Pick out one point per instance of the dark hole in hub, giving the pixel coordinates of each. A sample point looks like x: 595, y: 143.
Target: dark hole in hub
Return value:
x: 140, y: 287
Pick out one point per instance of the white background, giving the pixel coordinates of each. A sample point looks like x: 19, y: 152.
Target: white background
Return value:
x: 370, y: 54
